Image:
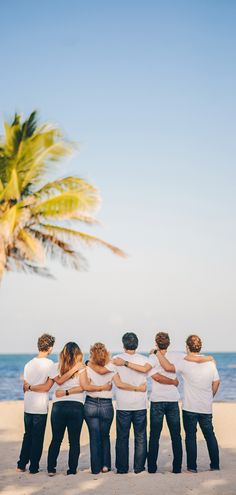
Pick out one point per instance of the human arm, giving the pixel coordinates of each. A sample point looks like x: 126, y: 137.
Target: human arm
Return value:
x: 102, y: 370
x: 43, y: 387
x: 165, y: 380
x: 62, y: 379
x: 166, y: 365
x: 142, y: 368
x: 126, y: 386
x: 90, y: 387
x: 197, y: 358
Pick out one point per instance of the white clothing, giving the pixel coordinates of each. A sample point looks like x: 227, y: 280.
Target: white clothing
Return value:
x: 97, y: 379
x: 72, y: 382
x: 127, y: 400
x: 36, y: 372
x: 198, y: 378
x: 161, y: 392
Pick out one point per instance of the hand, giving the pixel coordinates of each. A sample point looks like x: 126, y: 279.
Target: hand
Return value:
x: 107, y: 387
x: 118, y: 361
x: 176, y: 382
x: 81, y: 366
x: 153, y: 351
x: 142, y: 387
x: 60, y: 392
x: 26, y: 386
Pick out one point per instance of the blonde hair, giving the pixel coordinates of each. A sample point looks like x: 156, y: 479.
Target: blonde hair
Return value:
x: 69, y: 356
x: 99, y: 354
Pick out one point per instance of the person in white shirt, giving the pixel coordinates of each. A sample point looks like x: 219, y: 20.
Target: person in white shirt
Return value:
x: 36, y: 371
x: 164, y: 403
x: 201, y: 383
x: 98, y: 408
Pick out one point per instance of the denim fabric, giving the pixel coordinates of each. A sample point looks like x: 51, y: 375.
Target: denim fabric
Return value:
x: 171, y: 411
x: 32, y: 445
x: 70, y: 415
x: 98, y: 416
x: 190, y: 420
x: 124, y: 419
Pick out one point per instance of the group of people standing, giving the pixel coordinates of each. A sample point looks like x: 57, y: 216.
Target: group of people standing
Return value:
x: 85, y: 391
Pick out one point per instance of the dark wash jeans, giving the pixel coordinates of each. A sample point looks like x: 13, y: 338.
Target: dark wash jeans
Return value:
x: 66, y: 414
x: 190, y: 420
x: 171, y: 411
x: 124, y: 419
x: 98, y: 415
x: 32, y: 445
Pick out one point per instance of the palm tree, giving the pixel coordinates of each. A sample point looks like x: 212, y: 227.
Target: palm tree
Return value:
x: 38, y: 219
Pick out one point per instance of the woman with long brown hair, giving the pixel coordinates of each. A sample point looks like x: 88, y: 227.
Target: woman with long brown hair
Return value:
x: 67, y: 412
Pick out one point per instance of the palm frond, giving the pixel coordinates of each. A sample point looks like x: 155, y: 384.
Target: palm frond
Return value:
x: 74, y: 235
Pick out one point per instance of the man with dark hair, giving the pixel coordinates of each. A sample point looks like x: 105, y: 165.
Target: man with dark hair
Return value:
x: 201, y: 382
x: 132, y: 406
x: 36, y: 371
x: 164, y: 403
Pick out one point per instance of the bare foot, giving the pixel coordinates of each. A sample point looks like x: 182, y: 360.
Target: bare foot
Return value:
x: 21, y: 470
x: 190, y: 471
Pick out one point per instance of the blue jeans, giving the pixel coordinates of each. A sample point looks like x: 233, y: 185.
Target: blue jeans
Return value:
x: 32, y: 445
x: 66, y: 414
x: 124, y: 419
x: 171, y: 411
x: 190, y: 420
x: 98, y: 415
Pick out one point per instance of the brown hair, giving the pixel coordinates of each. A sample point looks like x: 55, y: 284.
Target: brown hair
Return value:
x: 194, y: 343
x: 99, y: 354
x: 162, y: 340
x: 69, y: 356
x: 45, y: 342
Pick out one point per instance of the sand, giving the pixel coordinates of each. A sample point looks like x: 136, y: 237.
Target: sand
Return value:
x: 163, y: 482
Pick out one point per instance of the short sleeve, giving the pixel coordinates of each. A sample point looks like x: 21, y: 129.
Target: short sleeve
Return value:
x: 154, y: 370
x: 216, y: 374
x: 54, y: 370
x: 152, y: 359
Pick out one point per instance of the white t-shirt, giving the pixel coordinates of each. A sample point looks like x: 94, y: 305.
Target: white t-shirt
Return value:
x: 161, y: 392
x: 127, y: 400
x: 72, y: 382
x: 36, y: 372
x: 198, y: 378
x: 97, y: 379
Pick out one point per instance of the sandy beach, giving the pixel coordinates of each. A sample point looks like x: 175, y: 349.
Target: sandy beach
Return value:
x: 164, y: 482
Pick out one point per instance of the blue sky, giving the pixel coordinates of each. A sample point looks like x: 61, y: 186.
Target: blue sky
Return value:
x: 148, y: 89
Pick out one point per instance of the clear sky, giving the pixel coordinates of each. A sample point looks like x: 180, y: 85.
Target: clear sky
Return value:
x: 148, y: 89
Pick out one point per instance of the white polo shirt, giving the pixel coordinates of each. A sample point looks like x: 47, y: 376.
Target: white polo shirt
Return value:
x: 161, y: 392
x: 36, y: 372
x: 127, y: 400
x: 72, y: 382
x: 198, y: 378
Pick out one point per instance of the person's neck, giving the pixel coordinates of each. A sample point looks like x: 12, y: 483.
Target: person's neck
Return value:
x: 42, y: 354
x: 129, y: 352
x: 190, y: 353
x: 163, y: 351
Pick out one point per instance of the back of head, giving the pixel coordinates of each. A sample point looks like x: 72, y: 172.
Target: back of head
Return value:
x: 69, y: 356
x: 194, y: 343
x: 130, y: 341
x: 45, y: 342
x: 99, y: 354
x: 162, y: 340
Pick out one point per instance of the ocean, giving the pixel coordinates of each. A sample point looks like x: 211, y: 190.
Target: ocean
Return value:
x: 12, y: 366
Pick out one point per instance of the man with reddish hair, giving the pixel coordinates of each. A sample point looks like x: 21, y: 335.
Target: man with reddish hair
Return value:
x: 201, y: 383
